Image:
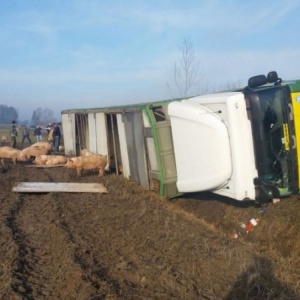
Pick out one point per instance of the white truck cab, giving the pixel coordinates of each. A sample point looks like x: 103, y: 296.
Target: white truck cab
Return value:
x: 213, y: 145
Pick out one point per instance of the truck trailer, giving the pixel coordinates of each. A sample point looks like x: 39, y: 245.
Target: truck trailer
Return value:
x: 240, y: 143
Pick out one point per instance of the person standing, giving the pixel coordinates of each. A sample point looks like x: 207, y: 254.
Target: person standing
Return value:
x: 13, y: 134
x: 38, y: 133
x: 26, y: 134
x: 49, y: 127
x: 56, y: 136
x: 50, y: 135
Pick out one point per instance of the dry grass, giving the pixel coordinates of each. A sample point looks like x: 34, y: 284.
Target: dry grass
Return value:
x: 268, y: 256
x: 275, y: 246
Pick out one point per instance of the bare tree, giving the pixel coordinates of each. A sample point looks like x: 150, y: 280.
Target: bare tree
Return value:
x: 186, y: 73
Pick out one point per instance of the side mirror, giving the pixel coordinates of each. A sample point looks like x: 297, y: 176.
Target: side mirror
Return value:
x: 257, y: 81
x: 272, y: 77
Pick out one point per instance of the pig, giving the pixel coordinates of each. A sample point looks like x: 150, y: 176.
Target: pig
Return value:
x: 86, y: 152
x: 40, y: 159
x: 90, y: 162
x: 46, y: 145
x: 4, y: 140
x: 34, y: 151
x: 56, y: 160
x: 12, y: 153
x: 50, y: 160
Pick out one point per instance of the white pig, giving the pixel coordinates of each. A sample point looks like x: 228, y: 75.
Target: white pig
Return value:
x: 12, y: 153
x: 91, y: 162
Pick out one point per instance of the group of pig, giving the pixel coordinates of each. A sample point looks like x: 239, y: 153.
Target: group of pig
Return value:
x: 40, y: 152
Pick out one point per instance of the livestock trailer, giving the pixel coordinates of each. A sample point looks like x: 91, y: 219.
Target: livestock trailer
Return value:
x: 136, y: 138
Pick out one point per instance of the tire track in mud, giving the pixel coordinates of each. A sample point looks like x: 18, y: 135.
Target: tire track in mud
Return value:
x: 96, y: 277
x: 25, y: 261
x: 63, y: 264
x: 21, y: 266
x: 52, y: 275
x: 37, y: 256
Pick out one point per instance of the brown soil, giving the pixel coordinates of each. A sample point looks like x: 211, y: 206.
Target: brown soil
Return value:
x: 131, y: 244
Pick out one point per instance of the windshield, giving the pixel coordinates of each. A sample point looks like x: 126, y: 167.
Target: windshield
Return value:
x: 271, y: 132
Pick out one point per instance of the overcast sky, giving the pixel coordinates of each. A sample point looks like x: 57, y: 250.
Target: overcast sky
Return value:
x: 62, y: 54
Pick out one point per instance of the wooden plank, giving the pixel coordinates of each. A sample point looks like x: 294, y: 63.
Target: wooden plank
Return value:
x: 44, y: 166
x: 69, y: 187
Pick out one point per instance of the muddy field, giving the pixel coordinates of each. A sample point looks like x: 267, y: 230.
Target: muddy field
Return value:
x: 131, y: 244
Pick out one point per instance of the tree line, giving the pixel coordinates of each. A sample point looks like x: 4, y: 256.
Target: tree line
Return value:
x: 40, y: 116
x: 7, y: 114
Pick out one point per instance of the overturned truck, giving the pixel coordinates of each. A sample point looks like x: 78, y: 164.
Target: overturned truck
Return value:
x: 240, y: 144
